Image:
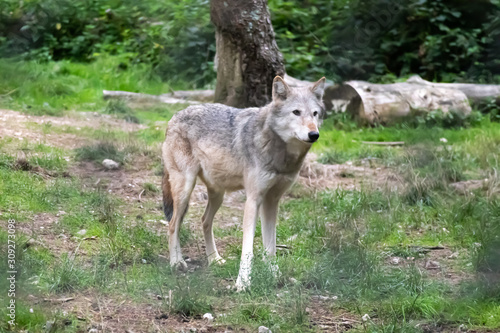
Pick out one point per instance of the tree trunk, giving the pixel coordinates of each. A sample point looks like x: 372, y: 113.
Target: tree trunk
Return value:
x: 247, y: 58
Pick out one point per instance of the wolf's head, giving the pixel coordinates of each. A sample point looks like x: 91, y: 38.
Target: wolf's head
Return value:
x: 296, y: 111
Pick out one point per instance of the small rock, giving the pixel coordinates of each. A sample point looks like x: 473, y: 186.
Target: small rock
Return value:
x: 325, y: 298
x: 431, y: 264
x: 264, y: 329
x: 110, y: 164
x: 81, y: 232
x: 395, y: 260
x: 208, y: 317
x: 31, y: 242
x: 144, y: 261
x: 293, y: 280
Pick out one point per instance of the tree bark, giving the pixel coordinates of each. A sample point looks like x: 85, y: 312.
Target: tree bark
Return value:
x: 248, y: 57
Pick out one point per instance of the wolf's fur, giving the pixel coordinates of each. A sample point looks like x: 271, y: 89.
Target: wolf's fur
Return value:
x: 260, y: 150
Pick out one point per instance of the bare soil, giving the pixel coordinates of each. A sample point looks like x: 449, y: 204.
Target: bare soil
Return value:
x: 16, y: 125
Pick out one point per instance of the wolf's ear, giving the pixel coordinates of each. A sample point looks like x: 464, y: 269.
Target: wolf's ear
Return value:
x: 280, y: 89
x: 319, y: 88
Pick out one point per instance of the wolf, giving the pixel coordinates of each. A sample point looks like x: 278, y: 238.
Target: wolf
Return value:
x: 258, y: 149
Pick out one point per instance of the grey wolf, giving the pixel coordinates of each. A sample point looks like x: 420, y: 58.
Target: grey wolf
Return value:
x: 258, y: 149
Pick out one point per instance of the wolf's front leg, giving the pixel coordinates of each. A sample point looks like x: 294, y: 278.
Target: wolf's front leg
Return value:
x: 249, y: 222
x: 269, y: 213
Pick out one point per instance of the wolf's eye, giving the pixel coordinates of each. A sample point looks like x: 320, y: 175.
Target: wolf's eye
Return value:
x: 315, y: 113
x: 296, y: 112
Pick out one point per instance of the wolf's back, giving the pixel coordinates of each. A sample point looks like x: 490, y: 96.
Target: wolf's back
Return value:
x: 221, y: 124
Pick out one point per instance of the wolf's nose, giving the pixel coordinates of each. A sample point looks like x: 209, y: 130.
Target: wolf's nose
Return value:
x: 313, y: 136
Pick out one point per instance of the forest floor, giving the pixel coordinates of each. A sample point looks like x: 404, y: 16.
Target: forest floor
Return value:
x: 371, y: 238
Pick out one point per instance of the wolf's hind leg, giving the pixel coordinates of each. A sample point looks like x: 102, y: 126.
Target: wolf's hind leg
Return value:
x: 214, y: 201
x: 182, y: 186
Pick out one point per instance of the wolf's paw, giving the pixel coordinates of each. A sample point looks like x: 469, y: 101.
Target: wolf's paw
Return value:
x: 275, y: 270
x: 216, y: 260
x: 242, y: 284
x: 180, y: 266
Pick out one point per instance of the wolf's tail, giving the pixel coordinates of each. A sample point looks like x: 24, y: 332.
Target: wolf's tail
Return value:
x: 168, y: 202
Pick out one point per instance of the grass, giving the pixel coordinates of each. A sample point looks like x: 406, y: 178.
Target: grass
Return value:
x: 53, y: 87
x: 338, y: 243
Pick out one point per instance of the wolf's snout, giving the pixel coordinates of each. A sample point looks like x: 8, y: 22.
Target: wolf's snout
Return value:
x: 313, y: 136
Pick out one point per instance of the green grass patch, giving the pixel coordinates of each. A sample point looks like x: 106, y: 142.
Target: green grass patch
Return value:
x: 53, y: 87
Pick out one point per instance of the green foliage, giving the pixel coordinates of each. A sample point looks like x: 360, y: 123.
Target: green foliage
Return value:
x: 375, y: 40
x: 122, y: 110
x: 99, y: 152
x: 379, y: 39
x: 169, y: 35
x: 66, y: 275
x: 150, y: 189
x: 188, y: 298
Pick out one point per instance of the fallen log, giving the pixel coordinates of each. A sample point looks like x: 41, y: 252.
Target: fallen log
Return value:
x: 386, y: 103
x: 476, y: 93
x: 139, y: 97
x: 204, y: 96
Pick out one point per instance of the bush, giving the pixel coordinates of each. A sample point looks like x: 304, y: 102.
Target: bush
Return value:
x: 169, y: 35
x: 374, y: 39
